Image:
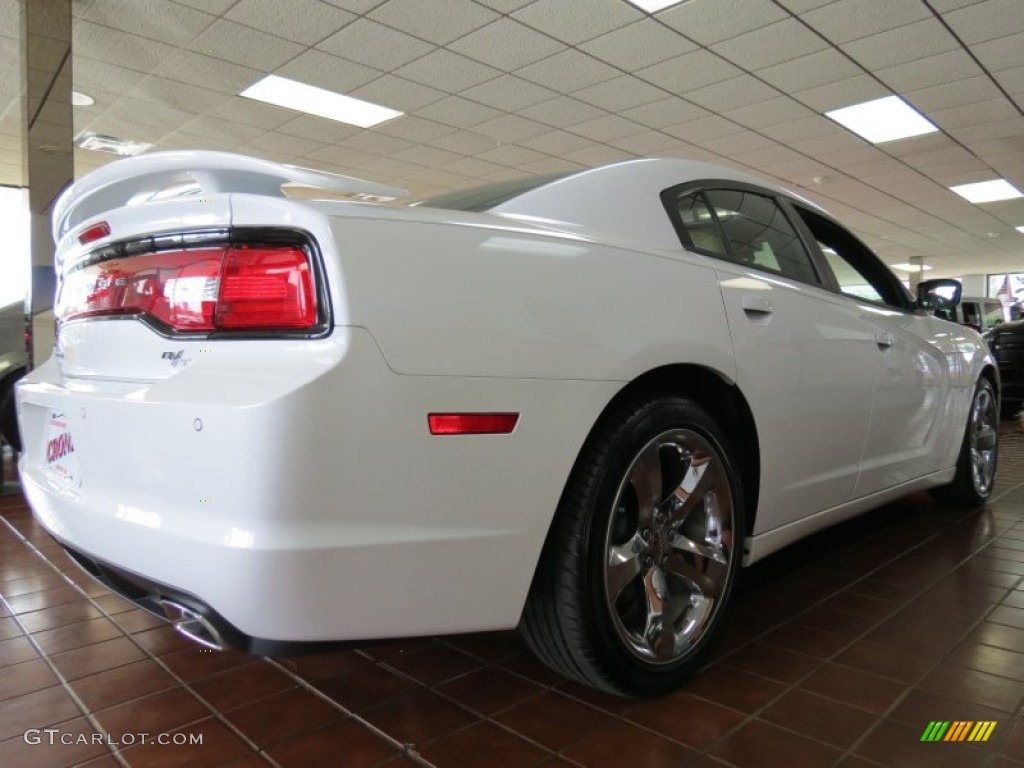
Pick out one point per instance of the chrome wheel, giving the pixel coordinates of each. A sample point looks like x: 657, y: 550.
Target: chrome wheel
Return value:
x: 983, y: 439
x: 669, y: 546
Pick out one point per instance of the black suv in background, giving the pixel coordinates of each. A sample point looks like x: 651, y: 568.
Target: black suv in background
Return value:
x: 1007, y: 343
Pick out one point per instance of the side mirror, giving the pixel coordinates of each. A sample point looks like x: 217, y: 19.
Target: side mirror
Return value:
x: 938, y: 294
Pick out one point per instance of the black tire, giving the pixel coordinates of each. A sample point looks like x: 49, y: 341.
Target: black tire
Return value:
x: 979, y: 452
x: 618, y: 643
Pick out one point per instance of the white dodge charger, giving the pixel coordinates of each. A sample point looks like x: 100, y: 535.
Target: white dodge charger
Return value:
x: 573, y: 404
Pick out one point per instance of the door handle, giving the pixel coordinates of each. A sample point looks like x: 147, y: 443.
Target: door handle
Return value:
x: 757, y: 308
x: 884, y: 340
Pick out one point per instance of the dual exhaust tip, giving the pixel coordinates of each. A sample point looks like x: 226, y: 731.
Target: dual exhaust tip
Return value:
x: 193, y: 625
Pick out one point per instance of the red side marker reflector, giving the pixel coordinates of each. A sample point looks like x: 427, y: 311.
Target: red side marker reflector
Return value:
x: 95, y: 232
x: 472, y: 423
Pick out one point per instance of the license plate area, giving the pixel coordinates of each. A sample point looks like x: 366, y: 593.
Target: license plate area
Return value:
x: 60, y: 459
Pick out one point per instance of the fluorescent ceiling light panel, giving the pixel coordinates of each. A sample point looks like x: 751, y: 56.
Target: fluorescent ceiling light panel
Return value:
x: 1021, y: 230
x: 886, y: 119
x: 301, y: 97
x: 910, y: 267
x: 988, y: 191
x: 653, y: 6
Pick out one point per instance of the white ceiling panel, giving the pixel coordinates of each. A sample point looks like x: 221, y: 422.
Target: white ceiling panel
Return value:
x: 293, y: 146
x: 689, y: 71
x: 911, y: 42
x: 93, y: 41
x: 509, y: 93
x: 447, y: 71
x: 398, y: 93
x: 990, y: 111
x: 556, y: 142
x: 568, y: 71
x: 639, y: 45
x: 506, y: 44
x: 511, y: 128
x: 772, y: 44
x: 731, y: 94
x: 846, y: 20
x: 842, y: 93
x: 606, y: 128
x: 303, y: 21
x: 933, y: 70
x: 375, y: 45
x: 457, y: 112
x: 960, y: 92
x: 574, y: 21
x: 763, y: 114
x: 415, y: 129
x: 154, y: 19
x: 987, y: 20
x: 244, y: 45
x: 711, y: 21
x: 316, y: 128
x: 562, y: 111
x: 805, y: 72
x: 620, y: 93
x: 323, y: 70
x: 704, y: 129
x: 202, y: 70
x: 436, y: 21
x: 664, y: 112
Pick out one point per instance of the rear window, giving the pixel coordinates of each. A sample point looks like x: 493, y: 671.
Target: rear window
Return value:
x: 479, y: 199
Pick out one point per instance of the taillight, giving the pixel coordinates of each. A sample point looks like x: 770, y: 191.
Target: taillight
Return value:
x: 242, y: 287
x: 472, y: 423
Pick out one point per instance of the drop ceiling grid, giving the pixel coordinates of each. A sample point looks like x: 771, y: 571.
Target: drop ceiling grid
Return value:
x: 602, y: 52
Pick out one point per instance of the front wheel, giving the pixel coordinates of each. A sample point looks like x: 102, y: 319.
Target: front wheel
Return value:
x: 643, y: 553
x: 979, y: 451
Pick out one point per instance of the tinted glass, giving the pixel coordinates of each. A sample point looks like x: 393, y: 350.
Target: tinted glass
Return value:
x: 700, y: 225
x: 760, y: 235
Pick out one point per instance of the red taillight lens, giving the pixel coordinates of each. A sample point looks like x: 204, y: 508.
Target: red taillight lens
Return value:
x: 205, y: 289
x: 472, y: 423
x: 93, y: 233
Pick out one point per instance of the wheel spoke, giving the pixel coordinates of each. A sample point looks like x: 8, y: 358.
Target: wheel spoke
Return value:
x: 658, y: 630
x: 624, y: 565
x: 700, y: 566
x: 698, y: 480
x: 646, y: 478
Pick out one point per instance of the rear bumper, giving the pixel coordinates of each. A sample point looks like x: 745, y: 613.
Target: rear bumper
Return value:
x: 312, y: 505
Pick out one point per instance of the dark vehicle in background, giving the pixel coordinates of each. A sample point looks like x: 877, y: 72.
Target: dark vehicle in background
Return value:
x: 1007, y: 343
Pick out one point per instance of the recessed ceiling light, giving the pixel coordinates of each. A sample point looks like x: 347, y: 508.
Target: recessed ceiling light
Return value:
x: 910, y: 267
x: 988, y: 191
x: 1021, y: 230
x: 79, y: 99
x: 886, y: 119
x: 653, y: 6
x: 318, y: 101
x: 97, y: 142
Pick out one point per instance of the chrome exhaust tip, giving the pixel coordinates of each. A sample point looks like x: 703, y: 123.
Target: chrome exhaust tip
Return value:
x: 192, y: 625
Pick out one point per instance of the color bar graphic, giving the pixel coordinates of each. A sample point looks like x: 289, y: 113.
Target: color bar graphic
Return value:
x: 958, y: 730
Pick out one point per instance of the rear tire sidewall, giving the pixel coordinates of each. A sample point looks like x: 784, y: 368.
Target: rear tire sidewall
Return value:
x: 659, y: 416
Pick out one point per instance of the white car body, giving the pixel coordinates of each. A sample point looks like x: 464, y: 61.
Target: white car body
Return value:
x: 291, y: 487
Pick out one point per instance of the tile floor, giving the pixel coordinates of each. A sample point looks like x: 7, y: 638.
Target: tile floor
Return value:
x: 839, y: 652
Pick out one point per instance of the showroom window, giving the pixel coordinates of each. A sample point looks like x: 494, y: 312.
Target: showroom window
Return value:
x: 14, y: 257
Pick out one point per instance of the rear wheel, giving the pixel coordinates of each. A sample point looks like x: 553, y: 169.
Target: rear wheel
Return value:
x: 979, y: 452
x: 643, y: 553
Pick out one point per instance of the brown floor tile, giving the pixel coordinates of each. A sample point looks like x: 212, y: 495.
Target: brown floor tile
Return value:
x: 40, y: 709
x: 833, y: 620
x: 920, y: 707
x: 819, y: 718
x: 432, y: 663
x: 998, y: 635
x: 1014, y: 599
x: 113, y: 604
x: 851, y: 686
x: 157, y: 713
x: 686, y: 718
x: 418, y: 717
x: 242, y: 684
x: 488, y: 745
x: 72, y: 636
x: 194, y: 663
x: 1011, y: 741
x: 137, y: 620
x: 26, y: 677
x: 862, y: 605
x: 121, y: 684
x: 528, y: 665
x: 807, y: 640
x: 554, y: 720
x: 319, y: 665
x: 9, y: 628
x: 15, y: 650
x: 28, y: 585
x: 59, y: 616
x: 893, y: 744
x: 50, y: 598
x: 994, y: 661
x: 489, y: 690
x: 346, y: 742
x: 219, y: 747
x: 760, y: 744
x: 365, y: 687
x: 979, y: 687
x: 1011, y: 617
x: 734, y: 688
x: 887, y: 662
x: 608, y: 747
x: 162, y: 640
x: 489, y: 646
x: 90, y: 659
x: 282, y: 716
x: 773, y: 662
x: 17, y: 753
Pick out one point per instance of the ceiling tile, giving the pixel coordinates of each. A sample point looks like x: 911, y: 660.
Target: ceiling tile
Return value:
x: 115, y: 125
x: 561, y: 111
x: 187, y: 98
x: 512, y: 156
x: 414, y: 129
x: 159, y: 115
x: 782, y: 41
x: 429, y: 157
x: 711, y: 21
x: 93, y: 41
x: 510, y: 128
x: 606, y: 128
x: 473, y: 167
x: 597, y: 155
x: 746, y: 141
x: 810, y: 71
x: 733, y: 93
x: 800, y: 6
x: 668, y: 111
x: 317, y: 129
x: 215, y: 128
x: 799, y: 130
x: 437, y: 21
x: 249, y: 112
x: 89, y: 74
x: 759, y: 115
x: 953, y: 94
x: 907, y: 43
x: 506, y: 44
x: 638, y: 45
x: 326, y: 71
x: 620, y: 93
x: 304, y: 21
x: 556, y: 142
x: 1012, y: 80
x: 210, y: 6
x: 458, y: 112
x: 170, y: 24
x: 505, y: 6
x: 997, y: 129
x: 554, y: 165
x: 243, y: 45
x: 689, y: 71
x: 284, y: 144
x: 508, y: 93
x: 847, y: 20
x: 1002, y: 53
x: 574, y: 21
x: 934, y: 70
x: 375, y: 45
x: 568, y: 71
x: 463, y: 142
x: 852, y: 90
x: 704, y: 129
x: 341, y: 157
x: 447, y: 71
x: 983, y: 112
x: 647, y: 144
x: 987, y: 20
x: 387, y: 169
x: 205, y: 71
x: 376, y: 143
x: 398, y: 93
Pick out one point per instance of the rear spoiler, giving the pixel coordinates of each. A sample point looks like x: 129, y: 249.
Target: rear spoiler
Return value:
x: 165, y: 175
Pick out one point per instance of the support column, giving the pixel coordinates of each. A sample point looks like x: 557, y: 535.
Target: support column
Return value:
x: 917, y: 273
x: 49, y: 153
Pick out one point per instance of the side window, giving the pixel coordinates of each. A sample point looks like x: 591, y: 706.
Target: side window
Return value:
x: 860, y: 274
x: 760, y: 235
x: 700, y: 225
